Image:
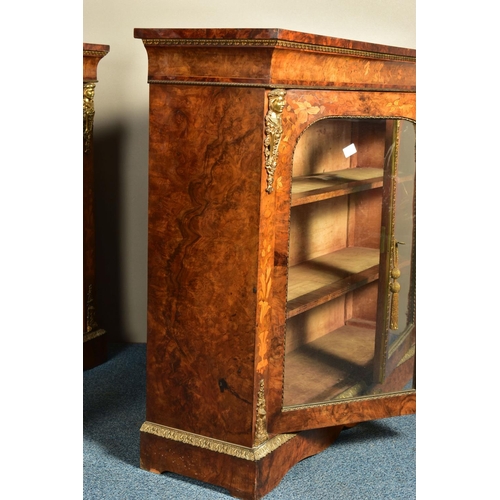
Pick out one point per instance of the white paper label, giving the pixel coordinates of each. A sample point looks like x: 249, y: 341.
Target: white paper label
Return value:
x: 349, y: 150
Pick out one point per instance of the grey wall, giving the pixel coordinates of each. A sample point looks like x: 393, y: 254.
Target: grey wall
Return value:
x: 121, y: 120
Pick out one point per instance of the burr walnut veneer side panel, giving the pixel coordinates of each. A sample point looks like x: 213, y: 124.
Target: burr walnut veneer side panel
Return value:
x: 205, y: 183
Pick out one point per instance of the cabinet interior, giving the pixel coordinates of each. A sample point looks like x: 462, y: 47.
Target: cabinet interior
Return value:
x: 334, y: 260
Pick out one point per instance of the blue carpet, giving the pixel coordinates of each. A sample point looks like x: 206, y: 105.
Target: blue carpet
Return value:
x: 372, y: 461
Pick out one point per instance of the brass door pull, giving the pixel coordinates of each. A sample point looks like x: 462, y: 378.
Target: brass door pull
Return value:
x: 394, y: 286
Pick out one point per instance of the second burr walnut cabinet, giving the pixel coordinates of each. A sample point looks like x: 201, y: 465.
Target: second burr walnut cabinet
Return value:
x: 94, y: 337
x: 281, y: 271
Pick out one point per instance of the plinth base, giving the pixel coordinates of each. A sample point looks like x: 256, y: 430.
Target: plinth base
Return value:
x: 247, y: 473
x: 95, y: 351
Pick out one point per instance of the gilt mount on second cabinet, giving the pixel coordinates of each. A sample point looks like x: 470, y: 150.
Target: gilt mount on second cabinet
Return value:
x: 281, y: 248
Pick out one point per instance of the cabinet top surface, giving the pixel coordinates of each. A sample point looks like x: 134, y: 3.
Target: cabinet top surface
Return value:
x: 95, y: 47
x: 92, y: 54
x: 273, y: 36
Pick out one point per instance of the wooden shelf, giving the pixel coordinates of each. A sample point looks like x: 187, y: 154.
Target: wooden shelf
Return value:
x: 317, y: 187
x: 324, y: 278
x: 334, y: 366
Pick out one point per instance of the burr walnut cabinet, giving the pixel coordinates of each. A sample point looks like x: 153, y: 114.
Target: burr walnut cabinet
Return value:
x: 281, y: 248
x: 94, y: 337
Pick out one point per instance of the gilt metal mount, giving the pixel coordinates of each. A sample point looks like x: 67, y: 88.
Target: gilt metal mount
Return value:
x: 88, y: 115
x: 273, y: 133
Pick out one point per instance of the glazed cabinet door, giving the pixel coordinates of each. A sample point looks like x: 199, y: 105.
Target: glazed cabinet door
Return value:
x: 395, y: 339
x: 349, y: 337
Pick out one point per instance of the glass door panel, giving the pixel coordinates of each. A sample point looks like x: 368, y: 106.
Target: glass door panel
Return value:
x: 343, y: 200
x: 397, y: 337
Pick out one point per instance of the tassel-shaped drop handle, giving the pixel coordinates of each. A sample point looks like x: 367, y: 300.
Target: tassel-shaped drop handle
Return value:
x: 395, y: 287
